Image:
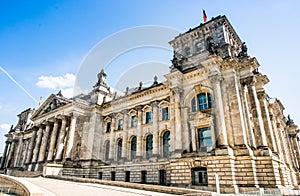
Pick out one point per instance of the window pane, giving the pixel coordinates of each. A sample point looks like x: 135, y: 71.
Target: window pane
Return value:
x: 107, y: 151
x: 120, y: 124
x: 194, y: 107
x: 204, y: 138
x: 107, y: 127
x: 133, y: 148
x: 198, y: 46
x: 119, y: 155
x: 202, y: 101
x: 165, y: 113
x: 149, y: 146
x: 199, y: 176
x: 210, y: 101
x: 133, y: 121
x: 148, y: 117
x: 166, y: 144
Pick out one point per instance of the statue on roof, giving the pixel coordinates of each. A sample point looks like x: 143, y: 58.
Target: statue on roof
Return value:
x: 101, y: 79
x: 178, y: 60
x: 244, y: 50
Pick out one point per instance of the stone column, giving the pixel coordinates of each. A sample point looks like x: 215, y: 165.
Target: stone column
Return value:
x: 177, y: 113
x: 234, y: 112
x: 10, y: 154
x: 250, y: 134
x: 4, y: 156
x: 261, y: 137
x: 262, y: 97
x: 60, y: 140
x: 31, y: 147
x: 70, y: 140
x: 139, y: 136
x: 186, y: 136
x: 18, y: 152
x: 125, y: 137
x: 52, y: 141
x: 44, y: 143
x: 221, y: 134
x: 193, y: 138
x: 155, y: 129
x: 295, y: 145
x: 37, y: 145
x: 111, y: 156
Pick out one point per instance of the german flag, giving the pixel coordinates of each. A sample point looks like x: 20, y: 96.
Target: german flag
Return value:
x: 204, y: 16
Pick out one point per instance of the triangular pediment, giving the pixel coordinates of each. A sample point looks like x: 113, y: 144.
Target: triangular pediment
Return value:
x: 53, y: 102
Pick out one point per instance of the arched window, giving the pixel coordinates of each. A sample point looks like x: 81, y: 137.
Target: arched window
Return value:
x: 119, y: 152
x: 106, y: 151
x: 166, y: 144
x: 133, y: 148
x: 187, y: 51
x: 202, y: 101
x: 149, y: 146
x: 198, y: 46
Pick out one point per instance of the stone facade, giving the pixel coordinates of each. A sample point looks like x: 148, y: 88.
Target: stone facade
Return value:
x: 210, y: 116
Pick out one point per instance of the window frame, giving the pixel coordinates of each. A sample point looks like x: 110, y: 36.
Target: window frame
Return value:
x: 133, y: 123
x: 166, y: 153
x: 133, y: 155
x: 148, y: 117
x: 202, y: 139
x: 120, y: 124
x: 165, y: 113
x: 108, y: 127
x: 202, y: 101
x: 201, y: 173
x: 149, y: 146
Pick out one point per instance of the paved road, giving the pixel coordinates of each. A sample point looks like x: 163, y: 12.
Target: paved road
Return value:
x: 53, y: 187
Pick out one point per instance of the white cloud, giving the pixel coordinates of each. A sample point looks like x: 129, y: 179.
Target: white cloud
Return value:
x: 5, y: 127
x: 55, y: 82
x: 64, y: 83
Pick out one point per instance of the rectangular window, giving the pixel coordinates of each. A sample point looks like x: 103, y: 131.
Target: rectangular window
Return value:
x: 100, y: 175
x: 127, y: 176
x: 205, y: 142
x: 113, y: 176
x: 120, y: 124
x: 165, y: 113
x: 162, y: 177
x: 144, y: 176
x: 108, y: 127
x: 199, y: 176
x: 133, y: 121
x: 148, y: 117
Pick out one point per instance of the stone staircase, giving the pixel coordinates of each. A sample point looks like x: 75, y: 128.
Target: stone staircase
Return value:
x: 24, y: 174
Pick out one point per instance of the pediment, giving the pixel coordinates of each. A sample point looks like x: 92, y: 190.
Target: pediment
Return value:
x: 52, y: 103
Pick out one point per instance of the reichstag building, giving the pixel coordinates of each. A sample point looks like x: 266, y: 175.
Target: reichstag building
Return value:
x: 211, y: 115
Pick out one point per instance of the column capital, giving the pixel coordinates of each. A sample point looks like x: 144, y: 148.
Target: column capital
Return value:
x: 215, y: 78
x: 138, y: 108
x: 249, y: 81
x: 154, y: 103
x: 262, y: 95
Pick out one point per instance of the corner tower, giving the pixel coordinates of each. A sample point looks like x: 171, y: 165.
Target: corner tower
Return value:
x: 216, y: 36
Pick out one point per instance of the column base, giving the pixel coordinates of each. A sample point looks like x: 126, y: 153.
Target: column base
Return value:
x: 224, y: 150
x: 242, y: 151
x: 176, y: 153
x: 263, y: 151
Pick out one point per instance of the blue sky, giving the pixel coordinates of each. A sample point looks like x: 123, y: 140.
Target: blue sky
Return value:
x: 43, y: 43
